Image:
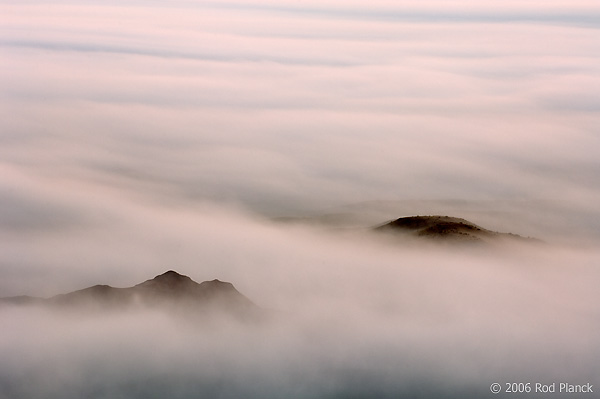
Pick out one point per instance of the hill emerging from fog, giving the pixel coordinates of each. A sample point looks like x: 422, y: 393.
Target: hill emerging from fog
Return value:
x: 171, y: 291
x: 447, y: 229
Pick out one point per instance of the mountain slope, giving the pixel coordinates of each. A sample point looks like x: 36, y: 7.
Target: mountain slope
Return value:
x: 171, y: 291
x: 447, y: 229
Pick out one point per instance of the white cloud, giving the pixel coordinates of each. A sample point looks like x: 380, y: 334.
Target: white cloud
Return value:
x: 123, y: 125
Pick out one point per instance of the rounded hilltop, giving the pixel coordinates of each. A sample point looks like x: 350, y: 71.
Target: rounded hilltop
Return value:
x: 446, y: 228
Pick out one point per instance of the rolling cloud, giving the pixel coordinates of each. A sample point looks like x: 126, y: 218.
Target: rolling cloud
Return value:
x: 137, y: 137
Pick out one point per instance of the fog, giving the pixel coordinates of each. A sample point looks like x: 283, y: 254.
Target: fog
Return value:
x: 257, y: 142
x: 357, y: 314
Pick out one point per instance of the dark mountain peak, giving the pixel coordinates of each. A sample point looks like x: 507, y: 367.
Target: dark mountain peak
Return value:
x: 446, y: 228
x: 420, y: 222
x: 172, y: 275
x: 171, y: 291
x: 169, y: 279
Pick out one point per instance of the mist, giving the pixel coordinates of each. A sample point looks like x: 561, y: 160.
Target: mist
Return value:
x: 259, y: 142
x: 356, y: 314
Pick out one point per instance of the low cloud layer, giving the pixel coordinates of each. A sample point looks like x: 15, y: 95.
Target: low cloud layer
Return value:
x: 355, y: 315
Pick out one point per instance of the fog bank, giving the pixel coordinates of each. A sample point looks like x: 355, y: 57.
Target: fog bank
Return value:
x: 357, y: 316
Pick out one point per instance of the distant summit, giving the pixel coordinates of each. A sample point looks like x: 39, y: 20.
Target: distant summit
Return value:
x: 168, y: 281
x: 170, y: 290
x: 446, y: 229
